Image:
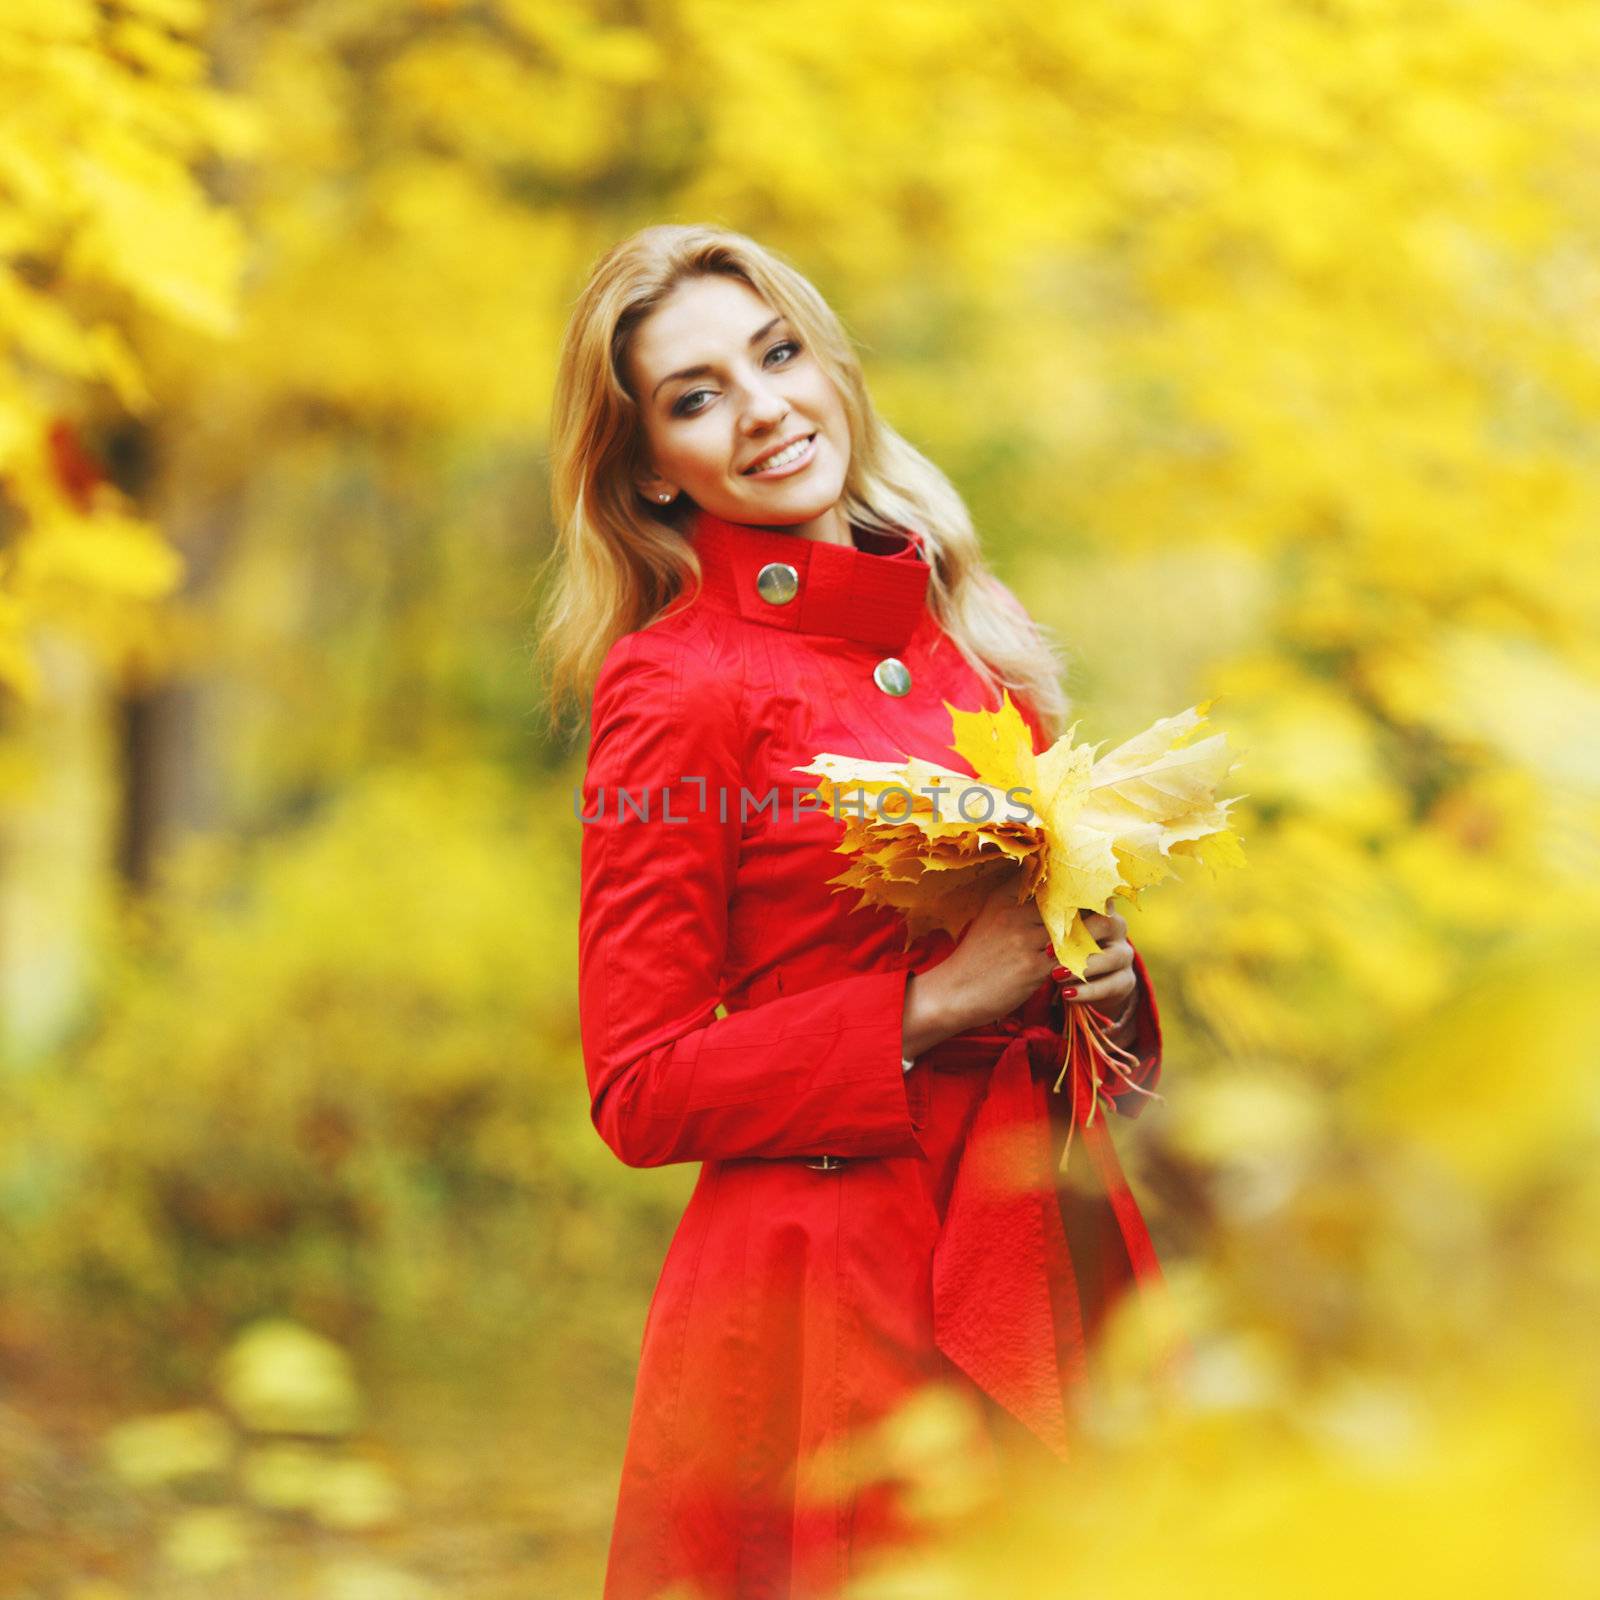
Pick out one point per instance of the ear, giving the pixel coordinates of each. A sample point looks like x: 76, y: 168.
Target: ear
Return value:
x: 657, y: 490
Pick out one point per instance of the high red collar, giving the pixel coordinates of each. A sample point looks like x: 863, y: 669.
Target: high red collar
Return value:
x: 873, y: 591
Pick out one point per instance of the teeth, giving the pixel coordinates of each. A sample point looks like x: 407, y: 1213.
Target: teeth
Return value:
x: 784, y: 457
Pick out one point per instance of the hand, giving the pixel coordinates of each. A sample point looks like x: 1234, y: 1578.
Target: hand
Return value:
x: 1108, y: 981
x: 1003, y: 957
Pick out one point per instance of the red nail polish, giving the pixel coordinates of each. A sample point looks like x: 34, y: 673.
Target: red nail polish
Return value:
x: 1069, y: 991
x: 1059, y: 973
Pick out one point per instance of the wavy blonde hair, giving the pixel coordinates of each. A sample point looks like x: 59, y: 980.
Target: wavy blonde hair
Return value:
x: 622, y: 560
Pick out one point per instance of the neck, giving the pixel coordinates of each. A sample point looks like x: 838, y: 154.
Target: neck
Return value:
x: 830, y: 527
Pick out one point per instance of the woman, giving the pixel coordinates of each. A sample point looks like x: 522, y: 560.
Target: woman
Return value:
x: 757, y: 569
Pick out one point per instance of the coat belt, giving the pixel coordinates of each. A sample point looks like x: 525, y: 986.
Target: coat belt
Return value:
x: 1001, y: 1260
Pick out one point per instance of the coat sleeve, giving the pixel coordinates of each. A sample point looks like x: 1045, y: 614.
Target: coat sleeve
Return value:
x: 809, y: 1074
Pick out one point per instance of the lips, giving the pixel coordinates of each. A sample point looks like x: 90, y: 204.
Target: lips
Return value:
x: 776, y: 450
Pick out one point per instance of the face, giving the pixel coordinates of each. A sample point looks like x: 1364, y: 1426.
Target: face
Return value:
x: 723, y: 384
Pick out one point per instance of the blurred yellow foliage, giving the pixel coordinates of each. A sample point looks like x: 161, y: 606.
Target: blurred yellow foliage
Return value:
x: 1261, y: 341
x: 105, y: 227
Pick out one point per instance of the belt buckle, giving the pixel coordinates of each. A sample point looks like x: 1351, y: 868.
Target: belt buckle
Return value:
x: 825, y: 1163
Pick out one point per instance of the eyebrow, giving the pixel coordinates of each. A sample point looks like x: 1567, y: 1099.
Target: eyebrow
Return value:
x: 703, y: 369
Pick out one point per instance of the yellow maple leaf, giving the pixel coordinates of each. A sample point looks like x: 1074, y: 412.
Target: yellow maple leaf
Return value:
x: 1066, y: 828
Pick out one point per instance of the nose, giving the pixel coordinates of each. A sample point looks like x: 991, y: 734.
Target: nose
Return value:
x: 764, y: 407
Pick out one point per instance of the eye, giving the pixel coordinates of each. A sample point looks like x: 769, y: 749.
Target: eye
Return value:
x: 682, y: 408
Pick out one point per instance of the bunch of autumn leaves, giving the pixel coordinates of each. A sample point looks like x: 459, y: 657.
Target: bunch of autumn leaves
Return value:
x: 1069, y: 830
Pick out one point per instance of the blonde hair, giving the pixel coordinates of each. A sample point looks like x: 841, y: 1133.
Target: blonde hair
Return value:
x: 622, y: 561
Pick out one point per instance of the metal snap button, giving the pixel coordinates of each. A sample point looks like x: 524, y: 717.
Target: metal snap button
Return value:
x: 825, y: 1163
x: 892, y: 676
x: 777, y: 583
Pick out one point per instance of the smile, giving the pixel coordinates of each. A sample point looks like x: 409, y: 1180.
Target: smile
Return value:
x: 789, y: 459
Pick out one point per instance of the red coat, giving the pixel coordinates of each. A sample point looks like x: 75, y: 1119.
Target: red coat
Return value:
x: 802, y: 1298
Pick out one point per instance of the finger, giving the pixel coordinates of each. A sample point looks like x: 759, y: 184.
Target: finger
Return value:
x: 1103, y: 927
x: 1109, y: 958
x: 1108, y: 994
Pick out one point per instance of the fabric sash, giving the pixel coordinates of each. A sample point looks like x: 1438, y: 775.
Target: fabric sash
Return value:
x: 1006, y: 1310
